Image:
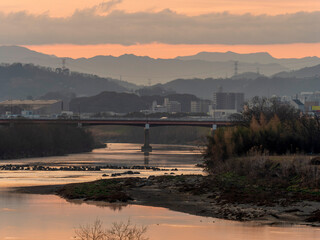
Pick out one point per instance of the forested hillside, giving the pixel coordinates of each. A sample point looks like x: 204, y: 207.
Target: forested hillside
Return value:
x: 19, y: 81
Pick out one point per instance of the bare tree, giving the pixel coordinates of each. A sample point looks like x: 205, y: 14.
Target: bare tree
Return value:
x: 118, y: 231
x: 126, y: 231
x: 93, y: 231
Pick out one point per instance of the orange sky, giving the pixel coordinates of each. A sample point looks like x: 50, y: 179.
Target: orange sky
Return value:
x: 191, y: 7
x: 170, y: 51
x: 64, y: 8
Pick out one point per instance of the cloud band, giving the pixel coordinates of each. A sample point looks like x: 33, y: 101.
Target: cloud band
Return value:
x: 118, y: 27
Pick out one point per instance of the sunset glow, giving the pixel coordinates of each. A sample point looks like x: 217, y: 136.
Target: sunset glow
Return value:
x: 125, y: 21
x: 157, y: 50
x: 64, y: 8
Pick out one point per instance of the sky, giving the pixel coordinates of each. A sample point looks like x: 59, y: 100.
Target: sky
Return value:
x: 162, y: 28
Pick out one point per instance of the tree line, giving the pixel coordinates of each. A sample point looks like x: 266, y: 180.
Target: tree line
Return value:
x: 22, y: 141
x: 266, y: 126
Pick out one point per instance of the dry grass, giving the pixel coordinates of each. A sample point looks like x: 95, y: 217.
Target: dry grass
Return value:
x: 290, y: 169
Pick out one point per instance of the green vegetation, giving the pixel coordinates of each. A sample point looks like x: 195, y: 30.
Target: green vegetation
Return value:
x: 22, y: 141
x: 266, y: 127
x: 265, y: 155
x: 110, y: 190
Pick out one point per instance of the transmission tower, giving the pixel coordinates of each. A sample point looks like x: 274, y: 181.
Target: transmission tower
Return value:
x: 235, y: 68
x: 63, y: 63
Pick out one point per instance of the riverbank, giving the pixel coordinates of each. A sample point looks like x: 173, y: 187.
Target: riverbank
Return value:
x: 197, y: 195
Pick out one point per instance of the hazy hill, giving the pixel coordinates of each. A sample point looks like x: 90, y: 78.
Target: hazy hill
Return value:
x: 260, y: 57
x: 301, y: 73
x: 248, y: 75
x: 125, y: 102
x: 262, y: 86
x: 19, y: 81
x: 142, y: 70
x: 139, y: 70
x: 16, y: 54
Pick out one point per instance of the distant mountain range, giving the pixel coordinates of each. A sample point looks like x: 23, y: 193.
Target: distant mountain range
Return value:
x: 20, y: 81
x: 143, y: 70
x: 307, y: 72
x: 261, y: 86
x: 254, y: 58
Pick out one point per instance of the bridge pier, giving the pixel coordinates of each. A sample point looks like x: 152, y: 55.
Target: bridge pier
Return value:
x: 213, y: 129
x: 146, y: 160
x: 146, y: 148
x: 79, y: 125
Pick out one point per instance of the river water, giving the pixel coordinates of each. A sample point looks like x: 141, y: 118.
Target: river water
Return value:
x: 40, y: 217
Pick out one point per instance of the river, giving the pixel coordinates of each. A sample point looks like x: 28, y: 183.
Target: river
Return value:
x: 35, y: 217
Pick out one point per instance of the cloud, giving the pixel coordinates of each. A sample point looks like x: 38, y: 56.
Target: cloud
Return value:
x: 103, y: 7
x: 107, y: 6
x: 88, y: 27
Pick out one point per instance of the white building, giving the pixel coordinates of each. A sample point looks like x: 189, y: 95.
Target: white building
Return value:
x: 168, y: 106
x: 297, y: 104
x: 173, y: 106
x: 158, y: 108
x: 221, y: 114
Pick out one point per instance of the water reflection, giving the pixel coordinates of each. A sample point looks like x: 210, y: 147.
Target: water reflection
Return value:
x: 116, y: 207
x: 118, y: 154
x: 122, y: 154
x: 38, y: 217
x: 146, y: 160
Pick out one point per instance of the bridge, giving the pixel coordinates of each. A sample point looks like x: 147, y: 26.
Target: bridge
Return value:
x: 146, y: 123
x: 154, y: 122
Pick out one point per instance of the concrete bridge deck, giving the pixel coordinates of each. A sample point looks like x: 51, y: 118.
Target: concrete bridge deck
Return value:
x: 146, y: 123
x: 153, y: 122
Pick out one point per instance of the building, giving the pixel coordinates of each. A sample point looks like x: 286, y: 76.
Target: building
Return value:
x: 201, y: 106
x: 308, y: 105
x: 168, y: 106
x: 225, y: 104
x: 173, y: 106
x: 195, y: 106
x: 297, y: 104
x: 228, y: 101
x: 221, y: 114
x: 158, y: 108
x: 37, y: 107
x: 308, y: 96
